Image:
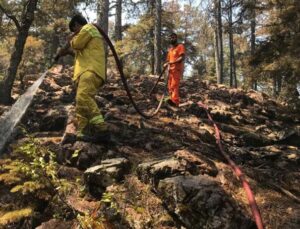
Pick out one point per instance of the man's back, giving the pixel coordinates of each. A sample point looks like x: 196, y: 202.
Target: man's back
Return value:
x: 90, y: 54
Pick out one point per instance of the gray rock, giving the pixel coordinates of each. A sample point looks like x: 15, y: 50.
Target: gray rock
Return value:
x: 153, y: 172
x: 183, y: 163
x: 110, y: 171
x: 196, y: 163
x: 56, y: 224
x: 255, y: 140
x: 68, y: 172
x: 88, y: 154
x: 200, y: 202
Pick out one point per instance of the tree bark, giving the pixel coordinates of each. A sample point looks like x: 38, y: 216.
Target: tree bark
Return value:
x: 233, y: 80
x: 151, y: 33
x: 118, y: 21
x: 274, y: 86
x: 253, y: 37
x: 157, y: 38
x: 217, y: 57
x: 219, y: 39
x: 102, y: 20
x: 16, y: 57
x: 102, y: 14
x: 277, y: 83
x: 1, y: 19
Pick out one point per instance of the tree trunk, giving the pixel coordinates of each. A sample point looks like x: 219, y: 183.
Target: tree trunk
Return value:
x: 102, y: 20
x: 274, y: 86
x: 253, y: 37
x: 102, y: 14
x: 118, y: 21
x: 1, y: 19
x: 233, y: 80
x: 157, y: 38
x: 151, y: 39
x: 16, y: 57
x: 279, y: 84
x: 217, y: 57
x: 53, y: 46
x: 219, y: 41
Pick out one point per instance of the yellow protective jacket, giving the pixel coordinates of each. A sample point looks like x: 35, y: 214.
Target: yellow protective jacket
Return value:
x: 89, y: 52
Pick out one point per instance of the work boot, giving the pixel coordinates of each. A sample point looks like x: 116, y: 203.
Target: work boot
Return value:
x: 85, y: 138
x: 103, y: 137
x: 94, y: 134
x: 171, y: 103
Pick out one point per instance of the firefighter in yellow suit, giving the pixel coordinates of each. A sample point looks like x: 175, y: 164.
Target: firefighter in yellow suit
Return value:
x: 89, y: 75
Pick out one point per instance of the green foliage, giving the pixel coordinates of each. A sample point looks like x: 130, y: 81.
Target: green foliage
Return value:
x: 33, y: 58
x: 87, y: 221
x: 276, y: 60
x: 14, y: 216
x: 33, y: 171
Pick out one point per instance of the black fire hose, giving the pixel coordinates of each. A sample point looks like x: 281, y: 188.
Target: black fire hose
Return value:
x: 161, y: 74
x: 120, y: 68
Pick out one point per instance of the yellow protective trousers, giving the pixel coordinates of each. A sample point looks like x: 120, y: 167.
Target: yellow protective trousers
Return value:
x: 87, y: 112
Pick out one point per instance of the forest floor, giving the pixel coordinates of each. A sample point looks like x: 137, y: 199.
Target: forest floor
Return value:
x: 164, y: 172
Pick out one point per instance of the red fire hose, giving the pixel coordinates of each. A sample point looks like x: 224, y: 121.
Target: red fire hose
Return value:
x: 250, y: 196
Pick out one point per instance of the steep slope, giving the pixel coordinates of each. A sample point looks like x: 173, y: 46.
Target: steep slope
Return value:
x: 167, y: 172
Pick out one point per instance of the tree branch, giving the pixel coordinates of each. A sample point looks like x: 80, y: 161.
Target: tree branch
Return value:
x: 9, y: 15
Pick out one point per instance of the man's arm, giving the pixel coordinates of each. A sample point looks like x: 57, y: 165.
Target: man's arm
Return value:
x: 178, y: 60
x: 80, y: 40
x: 66, y: 49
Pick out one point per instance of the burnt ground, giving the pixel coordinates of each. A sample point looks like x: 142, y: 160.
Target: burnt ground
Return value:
x: 177, y: 176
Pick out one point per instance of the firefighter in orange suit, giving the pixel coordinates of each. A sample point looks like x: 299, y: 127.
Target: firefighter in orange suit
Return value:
x: 89, y: 75
x: 175, y: 63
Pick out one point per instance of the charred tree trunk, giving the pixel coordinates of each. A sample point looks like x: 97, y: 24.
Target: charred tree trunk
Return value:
x: 54, y: 45
x: 102, y: 19
x: 233, y: 80
x: 274, y: 86
x: 118, y: 22
x: 253, y: 37
x: 152, y: 38
x: 152, y: 59
x: 102, y: 14
x: 1, y: 19
x: 16, y: 57
x: 217, y: 57
x: 219, y: 41
x: 277, y: 81
x: 157, y: 38
x: 279, y: 84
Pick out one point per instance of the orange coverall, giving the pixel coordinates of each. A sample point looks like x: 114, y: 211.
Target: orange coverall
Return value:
x: 175, y: 72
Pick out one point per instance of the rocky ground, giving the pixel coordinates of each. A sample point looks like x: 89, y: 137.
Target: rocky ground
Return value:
x: 167, y: 172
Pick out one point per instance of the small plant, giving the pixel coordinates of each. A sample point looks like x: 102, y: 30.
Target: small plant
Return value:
x: 107, y: 199
x: 32, y: 172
